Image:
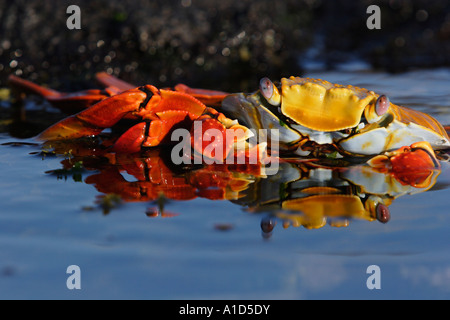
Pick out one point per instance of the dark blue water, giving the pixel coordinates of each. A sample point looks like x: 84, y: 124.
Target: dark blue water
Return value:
x: 214, y: 249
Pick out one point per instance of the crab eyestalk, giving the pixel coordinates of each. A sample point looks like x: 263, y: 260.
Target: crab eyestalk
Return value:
x: 376, y: 109
x: 270, y: 91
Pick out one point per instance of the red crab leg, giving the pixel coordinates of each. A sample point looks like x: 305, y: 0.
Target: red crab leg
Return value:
x: 30, y: 87
x: 131, y: 140
x: 153, y: 133
x: 208, y: 97
x: 108, y: 80
x: 67, y: 102
x: 95, y: 119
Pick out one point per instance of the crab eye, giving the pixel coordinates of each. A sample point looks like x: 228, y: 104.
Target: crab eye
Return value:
x: 266, y: 87
x: 269, y: 91
x: 383, y: 214
x: 267, y: 225
x: 382, y: 105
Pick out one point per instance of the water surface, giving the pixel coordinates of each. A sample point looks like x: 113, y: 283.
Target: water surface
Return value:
x: 215, y: 249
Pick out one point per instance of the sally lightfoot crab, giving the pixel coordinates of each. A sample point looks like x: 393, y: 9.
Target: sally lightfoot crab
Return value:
x: 157, y: 113
x: 304, y: 116
x: 317, y: 117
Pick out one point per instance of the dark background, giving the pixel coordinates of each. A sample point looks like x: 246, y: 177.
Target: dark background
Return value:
x: 222, y: 44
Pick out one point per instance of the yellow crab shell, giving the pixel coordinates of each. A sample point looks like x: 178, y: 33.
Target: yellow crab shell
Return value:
x: 323, y: 106
x: 355, y: 121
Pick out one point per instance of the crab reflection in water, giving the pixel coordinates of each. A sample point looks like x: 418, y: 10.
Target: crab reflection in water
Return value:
x: 303, y: 192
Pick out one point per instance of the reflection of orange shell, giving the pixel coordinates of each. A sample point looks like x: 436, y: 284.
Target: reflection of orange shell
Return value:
x: 417, y: 179
x: 314, y: 211
x: 154, y: 178
x: 320, y: 190
x: 327, y: 205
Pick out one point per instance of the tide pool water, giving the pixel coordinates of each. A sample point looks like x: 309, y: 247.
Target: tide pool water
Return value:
x: 51, y: 219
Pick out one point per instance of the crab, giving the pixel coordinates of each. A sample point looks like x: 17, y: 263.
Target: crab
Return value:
x: 305, y: 192
x: 156, y: 113
x: 314, y: 116
x: 315, y: 194
x: 154, y: 176
x: 309, y: 117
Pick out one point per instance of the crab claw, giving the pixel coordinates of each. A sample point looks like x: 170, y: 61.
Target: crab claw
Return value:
x: 413, y: 165
x: 217, y: 140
